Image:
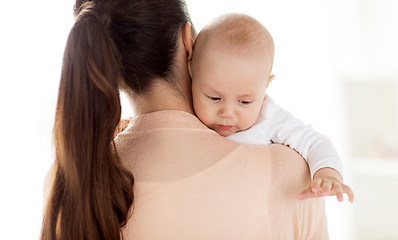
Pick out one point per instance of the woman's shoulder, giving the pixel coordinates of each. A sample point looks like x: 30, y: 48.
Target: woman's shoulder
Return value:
x: 276, y: 152
x: 284, y: 163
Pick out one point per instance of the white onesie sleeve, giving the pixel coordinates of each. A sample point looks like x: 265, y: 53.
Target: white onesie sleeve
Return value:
x: 276, y: 125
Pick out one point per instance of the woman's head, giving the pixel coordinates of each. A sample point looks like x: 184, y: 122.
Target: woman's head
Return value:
x: 145, y: 33
x: 113, y: 43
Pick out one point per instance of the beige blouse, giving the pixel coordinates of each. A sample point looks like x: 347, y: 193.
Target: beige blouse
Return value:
x: 191, y: 183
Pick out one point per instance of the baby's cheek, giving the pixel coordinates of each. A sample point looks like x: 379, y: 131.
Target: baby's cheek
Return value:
x: 250, y: 118
x: 245, y: 124
x: 203, y: 114
x: 197, y: 105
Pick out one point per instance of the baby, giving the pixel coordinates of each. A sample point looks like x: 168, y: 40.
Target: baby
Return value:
x: 231, y: 70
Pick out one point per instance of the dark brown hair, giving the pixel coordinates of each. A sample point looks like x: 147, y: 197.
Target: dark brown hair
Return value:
x: 112, y: 43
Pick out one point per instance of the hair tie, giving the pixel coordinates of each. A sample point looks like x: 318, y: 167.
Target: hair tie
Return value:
x: 96, y: 10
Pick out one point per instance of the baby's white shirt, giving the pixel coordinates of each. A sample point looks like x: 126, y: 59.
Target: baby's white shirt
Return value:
x: 276, y: 125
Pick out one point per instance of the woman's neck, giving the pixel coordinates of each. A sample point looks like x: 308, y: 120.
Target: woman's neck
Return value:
x: 162, y: 96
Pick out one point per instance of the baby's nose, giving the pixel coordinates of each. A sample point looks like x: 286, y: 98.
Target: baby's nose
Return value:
x: 227, y: 111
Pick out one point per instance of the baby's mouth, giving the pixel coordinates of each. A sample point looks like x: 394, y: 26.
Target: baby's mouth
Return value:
x: 224, y: 127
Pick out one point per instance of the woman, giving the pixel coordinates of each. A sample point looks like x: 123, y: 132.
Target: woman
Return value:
x: 189, y: 183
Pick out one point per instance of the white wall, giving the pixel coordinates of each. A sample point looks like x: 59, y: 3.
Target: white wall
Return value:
x: 33, y: 35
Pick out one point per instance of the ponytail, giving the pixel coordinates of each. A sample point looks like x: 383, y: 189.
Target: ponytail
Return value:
x: 91, y: 193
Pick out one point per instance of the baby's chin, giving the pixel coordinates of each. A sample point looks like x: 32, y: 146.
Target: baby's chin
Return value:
x: 225, y: 133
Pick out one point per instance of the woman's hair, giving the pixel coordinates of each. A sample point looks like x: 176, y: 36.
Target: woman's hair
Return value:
x: 113, y: 43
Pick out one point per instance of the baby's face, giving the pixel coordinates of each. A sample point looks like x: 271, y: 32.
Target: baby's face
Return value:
x: 228, y: 89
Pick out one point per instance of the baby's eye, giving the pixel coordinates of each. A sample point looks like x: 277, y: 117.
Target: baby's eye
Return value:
x: 246, y: 102
x: 214, y: 99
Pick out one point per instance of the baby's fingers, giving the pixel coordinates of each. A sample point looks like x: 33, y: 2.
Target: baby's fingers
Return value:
x: 316, y: 187
x: 326, y: 187
x: 339, y: 189
x: 316, y: 183
x: 349, y: 193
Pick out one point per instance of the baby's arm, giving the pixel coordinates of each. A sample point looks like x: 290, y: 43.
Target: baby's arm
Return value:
x: 322, y: 158
x: 276, y: 125
x: 281, y: 127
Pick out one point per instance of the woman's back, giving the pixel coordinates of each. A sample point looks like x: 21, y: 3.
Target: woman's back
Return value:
x: 190, y: 183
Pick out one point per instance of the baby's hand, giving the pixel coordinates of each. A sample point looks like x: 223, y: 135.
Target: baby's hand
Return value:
x: 327, y: 182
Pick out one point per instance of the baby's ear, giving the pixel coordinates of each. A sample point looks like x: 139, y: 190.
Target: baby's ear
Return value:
x: 271, y: 77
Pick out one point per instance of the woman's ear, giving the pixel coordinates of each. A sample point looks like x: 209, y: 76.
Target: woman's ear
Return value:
x: 189, y: 68
x: 187, y: 39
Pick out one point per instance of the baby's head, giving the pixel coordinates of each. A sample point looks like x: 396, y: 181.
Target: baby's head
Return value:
x: 230, y: 70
